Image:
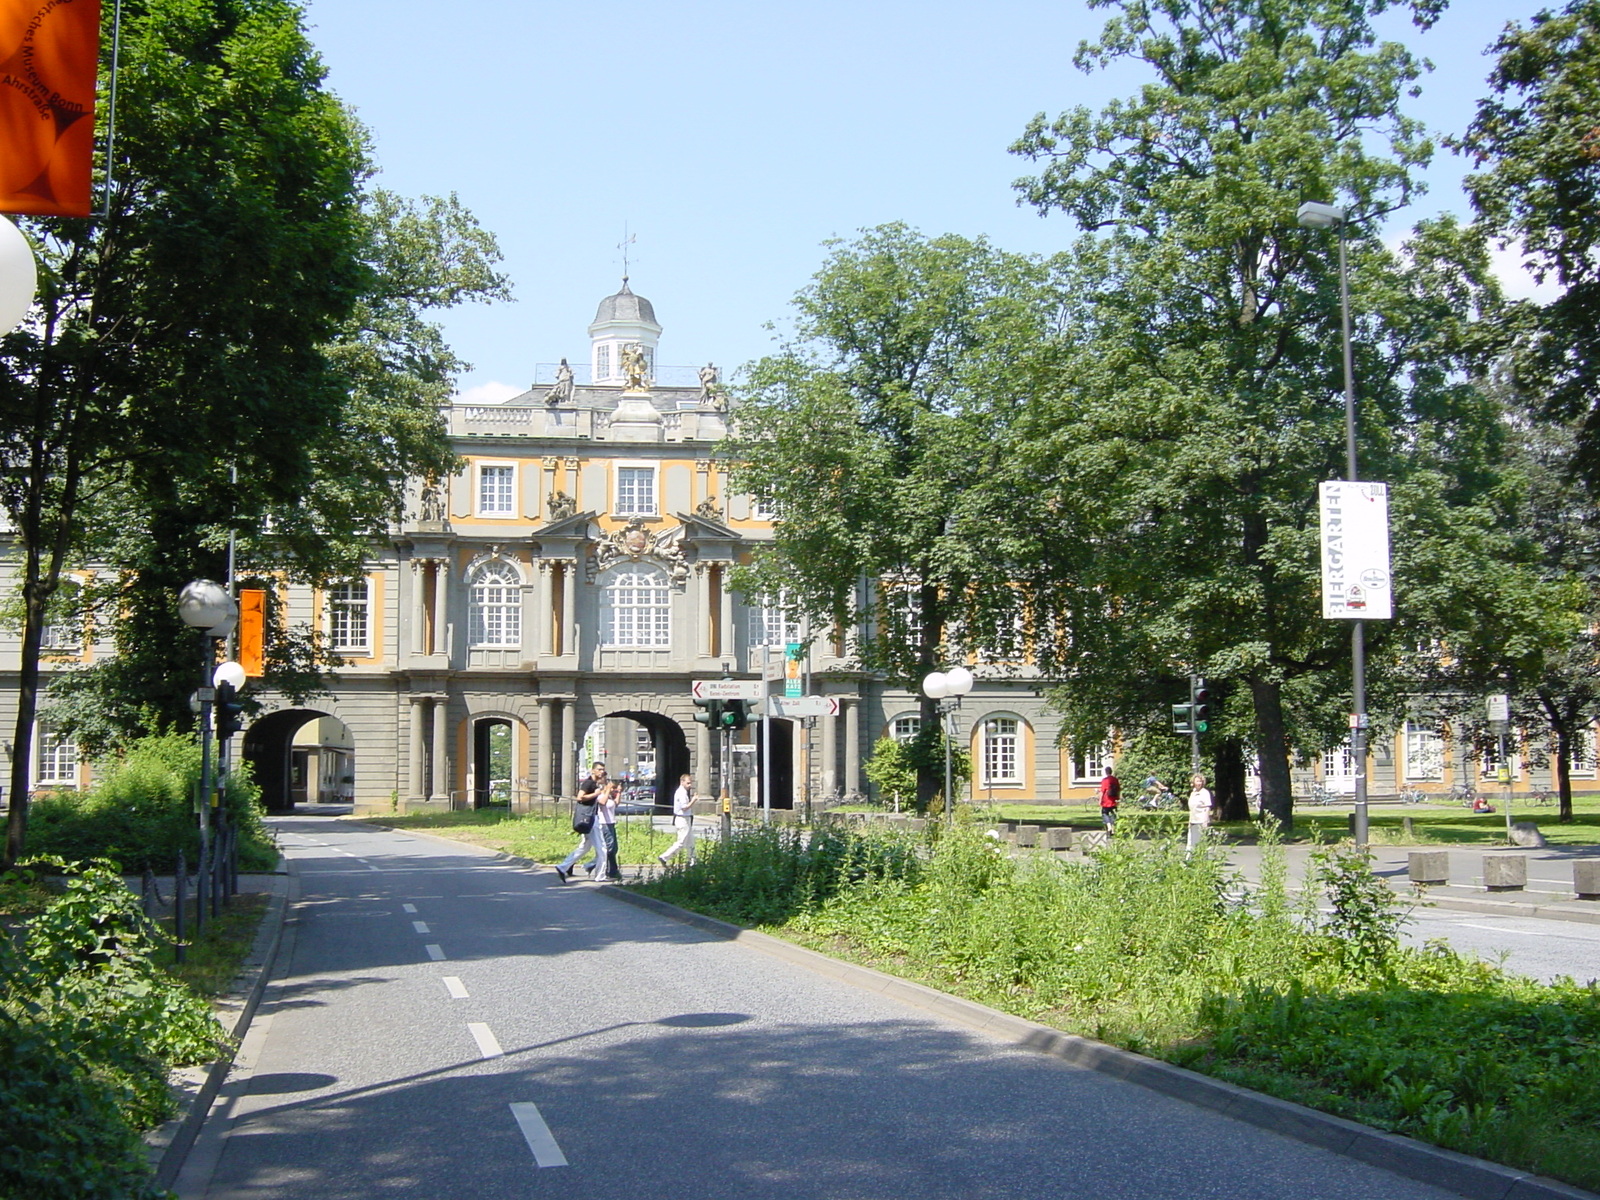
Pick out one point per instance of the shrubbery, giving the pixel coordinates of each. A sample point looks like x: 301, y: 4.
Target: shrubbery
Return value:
x: 140, y: 811
x: 88, y: 1029
x: 1170, y: 953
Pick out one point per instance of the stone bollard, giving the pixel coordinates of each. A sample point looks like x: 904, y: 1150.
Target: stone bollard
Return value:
x: 1027, y: 835
x: 917, y: 824
x: 1429, y: 866
x: 1405, y: 827
x: 1586, y: 878
x: 1092, y: 839
x: 1056, y: 839
x: 1505, y: 872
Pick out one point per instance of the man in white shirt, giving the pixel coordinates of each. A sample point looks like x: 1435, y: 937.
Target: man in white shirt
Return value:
x: 682, y: 820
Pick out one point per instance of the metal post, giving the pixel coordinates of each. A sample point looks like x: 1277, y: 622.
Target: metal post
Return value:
x: 180, y: 898
x: 947, y: 710
x: 203, y: 880
x: 1358, y: 648
x: 765, y: 765
x: 1505, y: 773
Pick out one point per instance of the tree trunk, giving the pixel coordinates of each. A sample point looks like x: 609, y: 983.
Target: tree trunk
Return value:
x: 1564, y: 775
x: 1277, y: 797
x: 22, y: 737
x: 1230, y: 789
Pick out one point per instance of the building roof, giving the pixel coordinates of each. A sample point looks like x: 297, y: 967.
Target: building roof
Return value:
x: 625, y: 306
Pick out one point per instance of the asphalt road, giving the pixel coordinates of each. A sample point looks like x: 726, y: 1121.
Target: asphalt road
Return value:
x: 1527, y: 945
x: 443, y: 1025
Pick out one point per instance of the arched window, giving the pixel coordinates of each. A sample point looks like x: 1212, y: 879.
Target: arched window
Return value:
x: 496, y: 605
x: 636, y: 608
x: 1002, y: 766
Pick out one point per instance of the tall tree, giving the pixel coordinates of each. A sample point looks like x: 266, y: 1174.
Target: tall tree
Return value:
x: 1180, y: 452
x: 1537, y: 136
x: 228, y: 312
x: 870, y: 428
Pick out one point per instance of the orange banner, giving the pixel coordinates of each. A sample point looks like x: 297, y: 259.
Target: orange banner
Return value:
x: 49, y: 58
x: 252, y: 630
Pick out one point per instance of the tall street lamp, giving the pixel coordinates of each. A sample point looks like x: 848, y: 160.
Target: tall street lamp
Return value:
x: 948, y: 687
x: 206, y: 606
x: 1315, y: 215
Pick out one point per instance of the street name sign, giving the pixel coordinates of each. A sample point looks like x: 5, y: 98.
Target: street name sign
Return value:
x: 727, y: 689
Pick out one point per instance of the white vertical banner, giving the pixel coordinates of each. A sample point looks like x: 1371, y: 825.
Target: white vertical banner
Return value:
x: 1355, y: 551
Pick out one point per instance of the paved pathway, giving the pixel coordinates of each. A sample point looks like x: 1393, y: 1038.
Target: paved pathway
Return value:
x: 445, y: 1024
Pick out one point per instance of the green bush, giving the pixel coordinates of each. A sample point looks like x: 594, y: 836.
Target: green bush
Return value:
x: 140, y: 811
x: 89, y: 1027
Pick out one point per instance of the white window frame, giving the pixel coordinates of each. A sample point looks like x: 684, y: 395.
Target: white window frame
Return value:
x: 602, y: 361
x: 905, y: 727
x: 1424, y: 762
x: 763, y: 508
x: 349, y: 614
x: 636, y: 608
x: 56, y: 760
x: 1583, y: 753
x: 504, y: 498
x: 1091, y: 764
x: 771, y: 626
x: 634, y: 500
x: 1339, y: 769
x: 1000, y: 752
x: 494, y: 604
x: 1489, y: 760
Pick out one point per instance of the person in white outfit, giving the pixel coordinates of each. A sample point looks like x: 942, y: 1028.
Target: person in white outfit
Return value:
x: 1199, y: 810
x: 682, y: 820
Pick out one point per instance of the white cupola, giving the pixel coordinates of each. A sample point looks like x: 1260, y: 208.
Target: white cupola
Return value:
x: 620, y: 320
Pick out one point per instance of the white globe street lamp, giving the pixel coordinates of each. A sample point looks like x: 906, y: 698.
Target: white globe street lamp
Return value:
x: 948, y: 687
x: 206, y: 606
x: 19, y: 276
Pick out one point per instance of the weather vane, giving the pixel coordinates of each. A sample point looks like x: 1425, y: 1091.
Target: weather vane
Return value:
x: 627, y: 240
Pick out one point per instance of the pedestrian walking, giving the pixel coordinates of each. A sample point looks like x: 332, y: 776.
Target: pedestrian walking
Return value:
x: 605, y: 823
x: 589, y: 838
x: 1110, y: 797
x: 1199, y: 810
x: 682, y: 820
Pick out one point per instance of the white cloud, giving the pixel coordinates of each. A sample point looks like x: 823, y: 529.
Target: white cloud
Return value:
x: 493, y: 392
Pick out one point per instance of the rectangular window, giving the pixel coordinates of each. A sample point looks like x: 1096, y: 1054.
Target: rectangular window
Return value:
x: 1491, y: 759
x: 348, y: 611
x: 636, y: 491
x: 57, y: 760
x: 1582, y: 751
x: 764, y: 508
x: 496, y: 491
x: 602, y: 362
x: 770, y: 626
x: 1424, y: 753
x: 906, y: 728
x: 1091, y: 765
x: 62, y: 635
x: 1000, y: 758
x: 1339, y: 769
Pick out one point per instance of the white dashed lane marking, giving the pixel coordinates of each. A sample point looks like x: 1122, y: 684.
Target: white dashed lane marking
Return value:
x: 538, y: 1136
x: 420, y: 926
x: 457, y: 989
x: 435, y: 952
x: 488, y: 1045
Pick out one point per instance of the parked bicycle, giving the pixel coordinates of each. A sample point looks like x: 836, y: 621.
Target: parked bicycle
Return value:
x: 1464, y: 794
x: 1412, y: 795
x: 1322, y: 794
x: 1542, y: 798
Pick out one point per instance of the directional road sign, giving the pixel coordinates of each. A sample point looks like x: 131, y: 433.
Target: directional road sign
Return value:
x: 727, y: 689
x: 802, y: 706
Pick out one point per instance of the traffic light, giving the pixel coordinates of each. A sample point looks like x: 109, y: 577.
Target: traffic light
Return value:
x: 1183, y: 718
x: 1199, y: 703
x: 229, y: 710
x: 735, y: 714
x: 710, y: 714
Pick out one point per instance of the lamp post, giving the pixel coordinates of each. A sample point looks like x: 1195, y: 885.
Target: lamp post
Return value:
x: 206, y: 606
x: 1315, y: 215
x: 948, y: 687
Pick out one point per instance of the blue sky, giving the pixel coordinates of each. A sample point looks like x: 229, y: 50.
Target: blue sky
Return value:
x: 732, y: 139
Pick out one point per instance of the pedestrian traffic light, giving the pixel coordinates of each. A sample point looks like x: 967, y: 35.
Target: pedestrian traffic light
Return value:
x: 735, y: 714
x: 710, y: 714
x: 229, y: 710
x: 1199, y: 703
x: 1182, y: 718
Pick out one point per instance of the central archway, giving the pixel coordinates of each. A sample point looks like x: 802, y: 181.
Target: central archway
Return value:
x: 669, y: 747
x: 291, y: 768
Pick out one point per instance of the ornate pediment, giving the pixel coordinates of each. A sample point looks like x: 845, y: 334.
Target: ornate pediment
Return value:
x: 635, y: 541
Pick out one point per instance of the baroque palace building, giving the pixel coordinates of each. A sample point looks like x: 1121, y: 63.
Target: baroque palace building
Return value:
x: 553, y: 601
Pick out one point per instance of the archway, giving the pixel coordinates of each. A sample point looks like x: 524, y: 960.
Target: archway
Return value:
x: 493, y: 761
x: 292, y: 764
x: 655, y: 763
x: 780, y: 772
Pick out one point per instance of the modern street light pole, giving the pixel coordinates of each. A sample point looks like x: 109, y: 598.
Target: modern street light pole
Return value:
x: 1315, y: 215
x: 948, y: 687
x: 207, y: 607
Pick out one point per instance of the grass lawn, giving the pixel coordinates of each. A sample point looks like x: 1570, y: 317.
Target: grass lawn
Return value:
x: 545, y: 839
x: 213, y: 962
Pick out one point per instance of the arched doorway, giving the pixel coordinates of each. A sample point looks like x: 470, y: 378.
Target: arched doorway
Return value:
x: 493, y: 761
x: 300, y: 755
x: 653, y: 758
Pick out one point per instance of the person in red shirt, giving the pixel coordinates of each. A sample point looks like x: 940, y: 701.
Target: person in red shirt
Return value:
x: 1110, y: 797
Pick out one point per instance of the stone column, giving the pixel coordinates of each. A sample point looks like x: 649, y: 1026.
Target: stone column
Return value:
x: 544, y: 614
x: 727, y: 646
x: 569, y: 734
x: 852, y: 744
x: 569, y: 607
x: 546, y: 739
x: 701, y: 602
x: 415, y: 643
x: 441, y: 611
x: 417, y: 785
x: 829, y: 753
x: 441, y: 749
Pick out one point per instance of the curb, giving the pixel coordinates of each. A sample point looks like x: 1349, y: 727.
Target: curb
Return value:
x: 1474, y: 1178
x: 169, y: 1144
